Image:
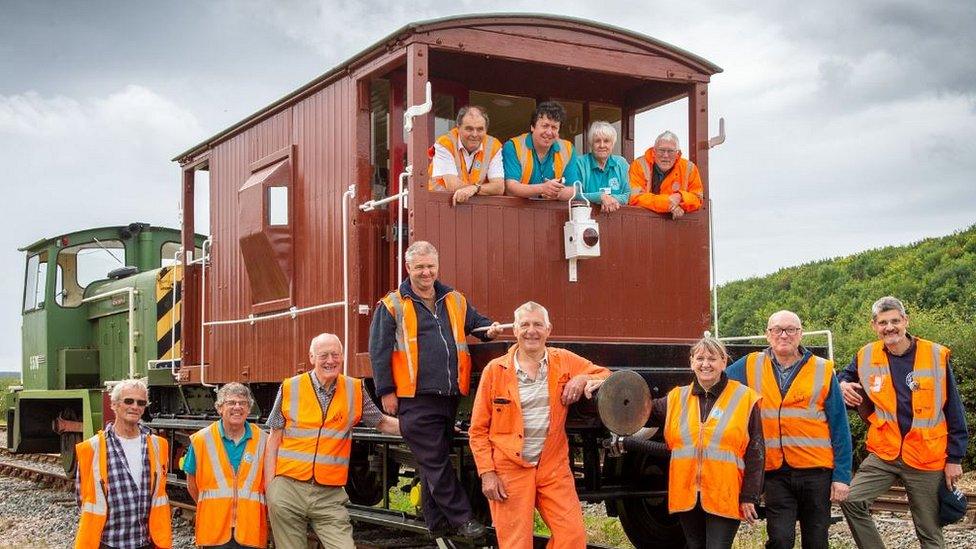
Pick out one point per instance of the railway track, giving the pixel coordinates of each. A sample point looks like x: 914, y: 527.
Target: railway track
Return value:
x: 374, y: 528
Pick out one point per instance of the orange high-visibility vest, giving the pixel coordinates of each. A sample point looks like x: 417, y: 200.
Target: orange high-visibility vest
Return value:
x: 405, y: 359
x: 92, y: 455
x: 707, y: 458
x: 524, y: 154
x: 795, y: 426
x: 317, y: 445
x: 477, y: 172
x: 683, y: 178
x: 924, y: 446
x: 230, y: 500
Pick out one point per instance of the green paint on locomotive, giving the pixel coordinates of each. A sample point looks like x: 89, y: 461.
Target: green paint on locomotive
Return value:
x: 73, y: 345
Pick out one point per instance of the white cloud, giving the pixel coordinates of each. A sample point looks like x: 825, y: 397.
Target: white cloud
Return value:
x: 74, y: 163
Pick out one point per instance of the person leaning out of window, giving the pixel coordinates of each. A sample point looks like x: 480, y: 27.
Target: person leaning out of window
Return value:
x: 603, y: 175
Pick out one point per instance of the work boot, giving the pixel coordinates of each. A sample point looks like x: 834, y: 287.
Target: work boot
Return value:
x: 471, y: 529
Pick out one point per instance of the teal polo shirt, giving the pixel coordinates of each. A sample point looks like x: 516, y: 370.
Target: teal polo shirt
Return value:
x: 235, y: 452
x: 542, y: 169
x: 613, y: 176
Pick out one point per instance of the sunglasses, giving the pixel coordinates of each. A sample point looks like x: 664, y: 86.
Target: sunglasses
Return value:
x: 137, y: 401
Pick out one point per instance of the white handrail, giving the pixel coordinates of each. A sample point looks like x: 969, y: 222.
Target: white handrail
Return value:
x: 401, y: 196
x: 176, y: 263
x: 371, y: 205
x: 711, y: 261
x: 292, y: 312
x: 204, y: 257
x: 347, y: 198
x: 828, y: 333
x: 132, y: 332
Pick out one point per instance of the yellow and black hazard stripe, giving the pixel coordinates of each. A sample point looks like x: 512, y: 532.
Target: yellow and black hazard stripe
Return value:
x: 169, y: 283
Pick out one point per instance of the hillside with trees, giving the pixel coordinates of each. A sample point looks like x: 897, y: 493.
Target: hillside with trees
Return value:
x: 935, y: 278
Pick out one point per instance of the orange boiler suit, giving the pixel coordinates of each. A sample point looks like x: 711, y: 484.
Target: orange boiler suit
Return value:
x: 496, y: 438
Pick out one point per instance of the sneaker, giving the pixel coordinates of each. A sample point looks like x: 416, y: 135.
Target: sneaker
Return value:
x: 471, y: 529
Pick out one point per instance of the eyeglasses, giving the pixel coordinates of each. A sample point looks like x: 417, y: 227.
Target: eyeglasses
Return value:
x: 236, y: 403
x: 777, y: 331
x: 129, y: 401
x: 666, y: 152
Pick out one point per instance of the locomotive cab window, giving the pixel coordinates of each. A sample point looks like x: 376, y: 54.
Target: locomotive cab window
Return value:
x: 82, y: 264
x: 35, y: 282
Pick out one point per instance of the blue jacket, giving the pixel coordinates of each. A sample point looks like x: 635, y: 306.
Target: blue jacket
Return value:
x: 436, y: 353
x: 837, y: 422
x: 614, y: 176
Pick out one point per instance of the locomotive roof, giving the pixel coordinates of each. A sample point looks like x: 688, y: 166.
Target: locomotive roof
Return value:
x: 44, y: 242
x: 703, y: 64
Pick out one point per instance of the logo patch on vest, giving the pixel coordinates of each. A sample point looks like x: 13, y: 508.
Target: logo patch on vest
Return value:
x: 716, y: 413
x: 476, y: 165
x: 248, y: 458
x: 876, y: 381
x: 911, y: 382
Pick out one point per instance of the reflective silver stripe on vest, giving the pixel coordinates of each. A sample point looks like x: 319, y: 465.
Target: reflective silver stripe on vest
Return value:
x: 350, y: 402
x: 716, y: 454
x: 295, y: 388
x: 864, y: 372
x: 402, y: 339
x: 773, y: 413
x: 711, y: 450
x: 821, y: 384
x: 99, y: 506
x: 298, y: 432
x: 806, y: 442
x: 938, y: 402
x: 646, y: 168
x: 160, y: 481
x: 309, y: 457
x: 459, y: 342
x: 248, y: 487
x: 683, y: 424
x: 223, y: 486
x: 759, y: 364
x: 726, y: 417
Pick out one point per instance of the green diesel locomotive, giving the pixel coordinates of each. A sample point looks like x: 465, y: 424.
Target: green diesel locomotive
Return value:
x: 99, y: 305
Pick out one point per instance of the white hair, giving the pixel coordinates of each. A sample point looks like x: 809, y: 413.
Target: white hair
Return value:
x: 885, y: 304
x: 668, y: 135
x: 601, y: 128
x: 128, y: 384
x: 320, y: 338
x: 234, y: 389
x: 420, y: 247
x: 528, y: 307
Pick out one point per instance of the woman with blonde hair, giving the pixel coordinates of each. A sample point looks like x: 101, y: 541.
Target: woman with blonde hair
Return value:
x: 713, y: 428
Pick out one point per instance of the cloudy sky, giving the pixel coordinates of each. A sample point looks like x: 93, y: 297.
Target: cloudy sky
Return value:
x: 851, y: 125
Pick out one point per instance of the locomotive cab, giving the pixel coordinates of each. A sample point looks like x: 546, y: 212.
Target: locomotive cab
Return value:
x: 90, y: 317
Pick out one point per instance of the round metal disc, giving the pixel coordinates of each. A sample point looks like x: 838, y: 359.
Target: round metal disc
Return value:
x: 624, y: 402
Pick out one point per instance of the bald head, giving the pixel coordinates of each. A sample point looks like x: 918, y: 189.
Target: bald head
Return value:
x: 785, y: 318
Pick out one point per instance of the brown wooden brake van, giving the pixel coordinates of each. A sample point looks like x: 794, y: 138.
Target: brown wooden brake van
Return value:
x: 293, y: 251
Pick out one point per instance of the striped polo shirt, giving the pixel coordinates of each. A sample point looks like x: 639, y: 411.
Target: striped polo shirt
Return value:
x: 534, y: 396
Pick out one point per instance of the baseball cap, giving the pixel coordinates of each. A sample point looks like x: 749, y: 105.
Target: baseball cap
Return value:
x: 952, y: 504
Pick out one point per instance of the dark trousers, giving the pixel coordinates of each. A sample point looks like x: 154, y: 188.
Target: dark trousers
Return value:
x: 707, y: 531
x: 802, y: 494
x: 427, y: 426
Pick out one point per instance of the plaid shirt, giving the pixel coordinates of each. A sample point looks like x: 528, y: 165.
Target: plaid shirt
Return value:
x: 128, y: 504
